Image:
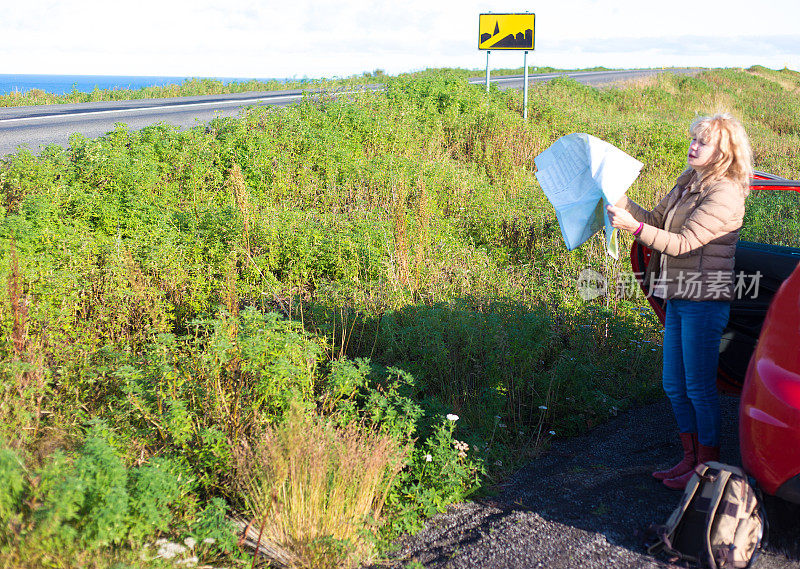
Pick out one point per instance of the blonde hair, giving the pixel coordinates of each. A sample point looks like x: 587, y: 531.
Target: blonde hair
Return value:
x: 734, y: 159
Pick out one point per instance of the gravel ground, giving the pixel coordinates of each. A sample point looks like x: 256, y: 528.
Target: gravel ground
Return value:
x: 585, y: 503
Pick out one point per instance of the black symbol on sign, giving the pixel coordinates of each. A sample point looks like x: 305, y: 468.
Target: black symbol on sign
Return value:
x: 519, y: 40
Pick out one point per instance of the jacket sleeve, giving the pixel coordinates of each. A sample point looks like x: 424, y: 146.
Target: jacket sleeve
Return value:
x: 709, y: 220
x: 654, y: 218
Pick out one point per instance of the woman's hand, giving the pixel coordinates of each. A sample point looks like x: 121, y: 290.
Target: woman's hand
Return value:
x: 621, y: 218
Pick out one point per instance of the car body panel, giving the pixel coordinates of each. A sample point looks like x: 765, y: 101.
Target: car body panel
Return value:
x: 769, y: 410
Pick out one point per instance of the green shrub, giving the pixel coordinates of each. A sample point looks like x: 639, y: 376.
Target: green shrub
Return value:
x: 12, y: 487
x: 386, y: 259
x: 88, y: 500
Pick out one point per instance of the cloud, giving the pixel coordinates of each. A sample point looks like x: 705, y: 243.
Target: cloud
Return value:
x: 315, y: 38
x: 684, y: 45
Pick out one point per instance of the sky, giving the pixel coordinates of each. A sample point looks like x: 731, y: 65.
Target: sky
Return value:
x: 325, y: 38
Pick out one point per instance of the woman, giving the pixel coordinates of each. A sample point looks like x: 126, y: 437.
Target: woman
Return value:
x: 693, y: 233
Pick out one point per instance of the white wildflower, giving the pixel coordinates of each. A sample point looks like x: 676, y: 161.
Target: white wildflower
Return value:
x: 452, y: 417
x: 209, y: 541
x: 428, y: 458
x: 169, y: 550
x: 189, y: 561
x: 189, y: 542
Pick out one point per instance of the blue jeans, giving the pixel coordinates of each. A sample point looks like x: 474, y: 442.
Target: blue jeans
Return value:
x: 692, y: 334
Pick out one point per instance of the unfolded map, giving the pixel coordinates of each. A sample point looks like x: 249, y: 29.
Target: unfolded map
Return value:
x: 580, y: 174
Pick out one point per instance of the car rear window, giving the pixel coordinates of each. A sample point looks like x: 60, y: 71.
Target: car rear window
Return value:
x: 772, y: 217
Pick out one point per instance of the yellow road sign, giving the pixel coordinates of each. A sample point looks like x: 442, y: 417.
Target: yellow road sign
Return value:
x: 506, y: 31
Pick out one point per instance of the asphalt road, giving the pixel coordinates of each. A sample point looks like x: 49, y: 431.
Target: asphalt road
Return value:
x: 35, y: 127
x: 38, y: 126
x: 594, y: 78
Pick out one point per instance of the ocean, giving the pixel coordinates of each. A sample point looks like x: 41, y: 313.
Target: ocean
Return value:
x: 62, y: 84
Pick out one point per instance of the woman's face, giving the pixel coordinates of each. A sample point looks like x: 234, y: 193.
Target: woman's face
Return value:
x: 702, y: 150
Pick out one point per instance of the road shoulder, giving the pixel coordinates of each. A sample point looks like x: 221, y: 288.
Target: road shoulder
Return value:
x: 586, y: 502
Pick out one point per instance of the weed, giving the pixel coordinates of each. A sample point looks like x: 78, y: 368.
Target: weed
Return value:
x: 384, y: 259
x: 313, y: 490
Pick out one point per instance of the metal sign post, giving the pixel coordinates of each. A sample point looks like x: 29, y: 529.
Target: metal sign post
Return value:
x: 487, y: 70
x: 525, y: 90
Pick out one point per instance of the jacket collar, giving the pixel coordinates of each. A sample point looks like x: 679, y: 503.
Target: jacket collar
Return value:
x: 690, y: 180
x: 685, y: 177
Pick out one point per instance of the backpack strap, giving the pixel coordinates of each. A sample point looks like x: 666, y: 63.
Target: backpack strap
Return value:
x: 720, y: 481
x: 666, y: 532
x: 664, y: 543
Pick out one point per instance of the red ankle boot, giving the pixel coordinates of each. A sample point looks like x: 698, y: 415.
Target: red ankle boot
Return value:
x: 704, y: 454
x: 689, y: 444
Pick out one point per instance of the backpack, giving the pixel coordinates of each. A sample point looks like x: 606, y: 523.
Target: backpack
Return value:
x: 719, y: 522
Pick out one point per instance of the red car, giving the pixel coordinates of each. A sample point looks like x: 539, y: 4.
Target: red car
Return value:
x: 760, y: 348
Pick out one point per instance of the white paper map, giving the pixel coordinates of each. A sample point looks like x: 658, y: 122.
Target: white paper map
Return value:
x: 580, y: 174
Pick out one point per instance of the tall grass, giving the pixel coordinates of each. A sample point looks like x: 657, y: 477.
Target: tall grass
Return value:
x: 315, y: 493
x: 383, y: 261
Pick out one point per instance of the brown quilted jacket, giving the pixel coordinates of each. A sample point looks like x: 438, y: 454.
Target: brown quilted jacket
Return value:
x: 693, y: 235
